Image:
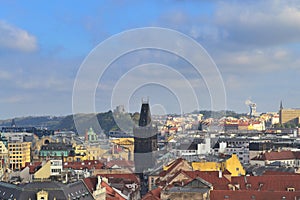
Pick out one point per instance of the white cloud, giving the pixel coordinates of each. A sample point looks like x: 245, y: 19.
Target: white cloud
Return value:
x: 14, y: 38
x: 261, y: 23
x: 258, y: 61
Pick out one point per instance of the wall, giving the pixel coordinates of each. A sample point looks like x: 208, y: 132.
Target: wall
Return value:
x: 44, y: 172
x: 234, y: 166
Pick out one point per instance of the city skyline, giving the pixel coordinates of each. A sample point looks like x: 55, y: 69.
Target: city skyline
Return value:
x: 254, y: 45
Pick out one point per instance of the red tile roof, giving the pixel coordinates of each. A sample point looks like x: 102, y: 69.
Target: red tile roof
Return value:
x: 267, y: 183
x: 211, y: 177
x: 120, y: 163
x: 91, y: 183
x: 172, y: 165
x: 33, y: 167
x: 279, y: 173
x: 87, y: 164
x: 252, y: 195
x: 111, y: 194
x: 153, y: 194
x: 128, y: 176
x: 275, y: 155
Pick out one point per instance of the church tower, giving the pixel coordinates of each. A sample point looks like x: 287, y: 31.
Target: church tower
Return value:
x: 145, y: 140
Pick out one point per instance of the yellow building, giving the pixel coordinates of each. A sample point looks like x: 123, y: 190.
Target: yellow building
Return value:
x: 3, y: 158
x: 128, y: 144
x: 80, y: 153
x: 3, y: 151
x: 42, y: 195
x: 289, y: 116
x: 94, y: 152
x: 44, y: 172
x: 232, y: 164
x: 19, y: 154
x: 206, y: 166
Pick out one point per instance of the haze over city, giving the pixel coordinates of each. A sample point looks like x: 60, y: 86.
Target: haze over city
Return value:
x: 255, y: 46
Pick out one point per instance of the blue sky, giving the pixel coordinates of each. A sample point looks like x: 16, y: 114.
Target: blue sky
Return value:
x: 255, y: 45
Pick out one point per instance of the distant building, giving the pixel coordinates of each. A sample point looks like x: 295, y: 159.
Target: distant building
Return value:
x: 237, y: 146
x: 288, y: 115
x: 120, y: 109
x: 50, y: 168
x: 19, y: 154
x: 91, y: 136
x: 282, y: 158
x: 231, y: 164
x: 56, y: 151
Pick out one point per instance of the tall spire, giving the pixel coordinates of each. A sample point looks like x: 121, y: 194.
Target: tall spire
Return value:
x: 281, y: 107
x: 145, y: 115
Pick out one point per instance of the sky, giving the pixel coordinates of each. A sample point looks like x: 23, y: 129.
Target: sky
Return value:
x: 254, y: 46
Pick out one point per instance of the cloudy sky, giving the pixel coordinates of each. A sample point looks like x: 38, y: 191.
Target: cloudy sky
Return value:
x: 254, y: 45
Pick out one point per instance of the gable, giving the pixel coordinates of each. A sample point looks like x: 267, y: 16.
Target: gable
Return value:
x: 198, y: 183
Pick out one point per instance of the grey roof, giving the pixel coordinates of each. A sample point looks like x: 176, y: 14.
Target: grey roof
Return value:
x: 57, y: 146
x: 177, y: 189
x: 260, y: 170
x: 60, y: 191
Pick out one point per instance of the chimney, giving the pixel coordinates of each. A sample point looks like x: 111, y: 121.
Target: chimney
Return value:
x: 99, y: 183
x: 66, y: 177
x: 220, y: 174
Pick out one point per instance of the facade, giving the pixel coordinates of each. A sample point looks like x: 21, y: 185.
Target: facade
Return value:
x: 232, y: 164
x: 287, y: 115
x: 214, y: 185
x: 56, y: 151
x: 145, y: 141
x: 283, y: 158
x: 50, y: 169
x: 3, y: 153
x: 19, y: 154
x: 91, y: 136
x: 230, y: 146
x: 197, y: 189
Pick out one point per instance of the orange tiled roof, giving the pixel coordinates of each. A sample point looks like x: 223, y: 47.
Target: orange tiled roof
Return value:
x: 153, y: 194
x: 268, y: 182
x: 239, y: 195
x: 33, y: 167
x: 87, y: 164
x: 275, y: 155
x: 120, y: 163
x: 128, y: 176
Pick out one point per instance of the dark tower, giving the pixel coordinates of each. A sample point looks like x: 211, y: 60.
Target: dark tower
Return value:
x: 145, y: 144
x: 145, y: 140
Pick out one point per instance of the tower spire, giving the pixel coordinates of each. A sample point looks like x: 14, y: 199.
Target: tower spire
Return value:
x: 145, y: 115
x: 281, y: 107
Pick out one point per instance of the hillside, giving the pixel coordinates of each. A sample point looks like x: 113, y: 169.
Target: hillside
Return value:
x: 83, y: 122
x: 107, y: 121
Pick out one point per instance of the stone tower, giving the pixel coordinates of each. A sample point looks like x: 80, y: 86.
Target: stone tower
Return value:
x: 145, y: 140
